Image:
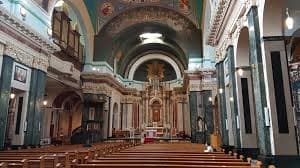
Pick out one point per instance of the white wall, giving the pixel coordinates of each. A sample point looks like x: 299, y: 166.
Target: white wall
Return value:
x: 289, y: 140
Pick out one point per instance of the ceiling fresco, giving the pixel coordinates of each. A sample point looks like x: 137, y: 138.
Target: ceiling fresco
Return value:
x: 149, y: 14
x: 102, y: 11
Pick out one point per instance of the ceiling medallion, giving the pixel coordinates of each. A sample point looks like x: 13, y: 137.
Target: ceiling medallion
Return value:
x: 184, y: 6
x: 107, y: 9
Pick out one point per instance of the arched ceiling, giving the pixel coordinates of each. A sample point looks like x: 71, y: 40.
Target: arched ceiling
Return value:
x: 102, y: 11
x: 119, y: 38
x: 97, y: 14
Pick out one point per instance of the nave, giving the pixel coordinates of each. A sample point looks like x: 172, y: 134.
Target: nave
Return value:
x: 125, y: 155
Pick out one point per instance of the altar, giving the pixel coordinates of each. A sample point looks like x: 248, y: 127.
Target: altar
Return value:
x: 154, y: 132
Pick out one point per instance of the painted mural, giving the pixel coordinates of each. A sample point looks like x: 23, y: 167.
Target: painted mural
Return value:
x: 149, y: 14
x: 106, y: 9
x: 109, y: 9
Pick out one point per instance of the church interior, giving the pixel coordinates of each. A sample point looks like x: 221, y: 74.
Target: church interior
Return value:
x: 144, y: 83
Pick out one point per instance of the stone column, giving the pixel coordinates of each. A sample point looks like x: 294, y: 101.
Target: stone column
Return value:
x: 263, y: 132
x: 35, y: 99
x: 233, y: 104
x: 5, y: 84
x: 147, y: 110
x: 194, y: 116
x: 222, y: 103
x: 179, y: 116
x: 129, y: 115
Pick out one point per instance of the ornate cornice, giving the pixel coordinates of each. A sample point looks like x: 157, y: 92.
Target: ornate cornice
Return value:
x: 20, y: 31
x: 99, y: 78
x: 217, y: 19
x: 96, y: 88
x: 130, y: 99
x: 231, y: 29
x: 31, y: 59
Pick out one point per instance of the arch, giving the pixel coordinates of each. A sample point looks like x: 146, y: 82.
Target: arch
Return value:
x: 180, y: 34
x: 158, y: 14
x: 66, y: 96
x: 152, y: 57
x: 273, y: 10
x: 156, y: 99
x: 245, y: 91
x: 242, y: 56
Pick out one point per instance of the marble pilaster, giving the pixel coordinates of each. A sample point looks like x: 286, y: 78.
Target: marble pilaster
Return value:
x: 5, y: 84
x: 194, y: 116
x: 222, y: 103
x: 34, y: 112
x: 232, y: 83
x: 263, y: 132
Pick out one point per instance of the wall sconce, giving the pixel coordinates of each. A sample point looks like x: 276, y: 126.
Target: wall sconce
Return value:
x: 289, y: 21
x: 231, y: 99
x: 23, y: 12
x: 12, y: 96
x: 210, y: 99
x: 45, y: 102
x: 240, y: 71
x: 221, y: 90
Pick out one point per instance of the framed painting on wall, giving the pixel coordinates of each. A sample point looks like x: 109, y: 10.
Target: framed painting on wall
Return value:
x: 20, y: 74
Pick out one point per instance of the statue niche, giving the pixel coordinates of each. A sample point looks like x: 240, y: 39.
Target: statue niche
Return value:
x: 156, y: 108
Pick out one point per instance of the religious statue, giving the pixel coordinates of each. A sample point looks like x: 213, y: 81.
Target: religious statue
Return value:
x: 202, y: 127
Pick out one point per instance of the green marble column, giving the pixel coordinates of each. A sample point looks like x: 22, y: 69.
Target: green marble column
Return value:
x: 222, y: 103
x: 233, y: 105
x: 5, y: 87
x: 208, y: 113
x: 259, y: 86
x: 85, y: 118
x: 194, y: 115
x: 35, y: 109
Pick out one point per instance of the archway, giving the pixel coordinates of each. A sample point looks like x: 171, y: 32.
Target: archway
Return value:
x: 66, y: 115
x: 156, y: 110
x: 245, y: 92
x: 273, y: 10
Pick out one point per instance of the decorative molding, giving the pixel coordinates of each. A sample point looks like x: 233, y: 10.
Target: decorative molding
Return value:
x: 29, y: 58
x: 217, y: 19
x: 231, y: 29
x: 131, y: 99
x: 96, y: 88
x: 150, y: 14
x: 33, y: 39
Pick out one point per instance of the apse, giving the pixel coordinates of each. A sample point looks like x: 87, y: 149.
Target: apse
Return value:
x: 142, y: 72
